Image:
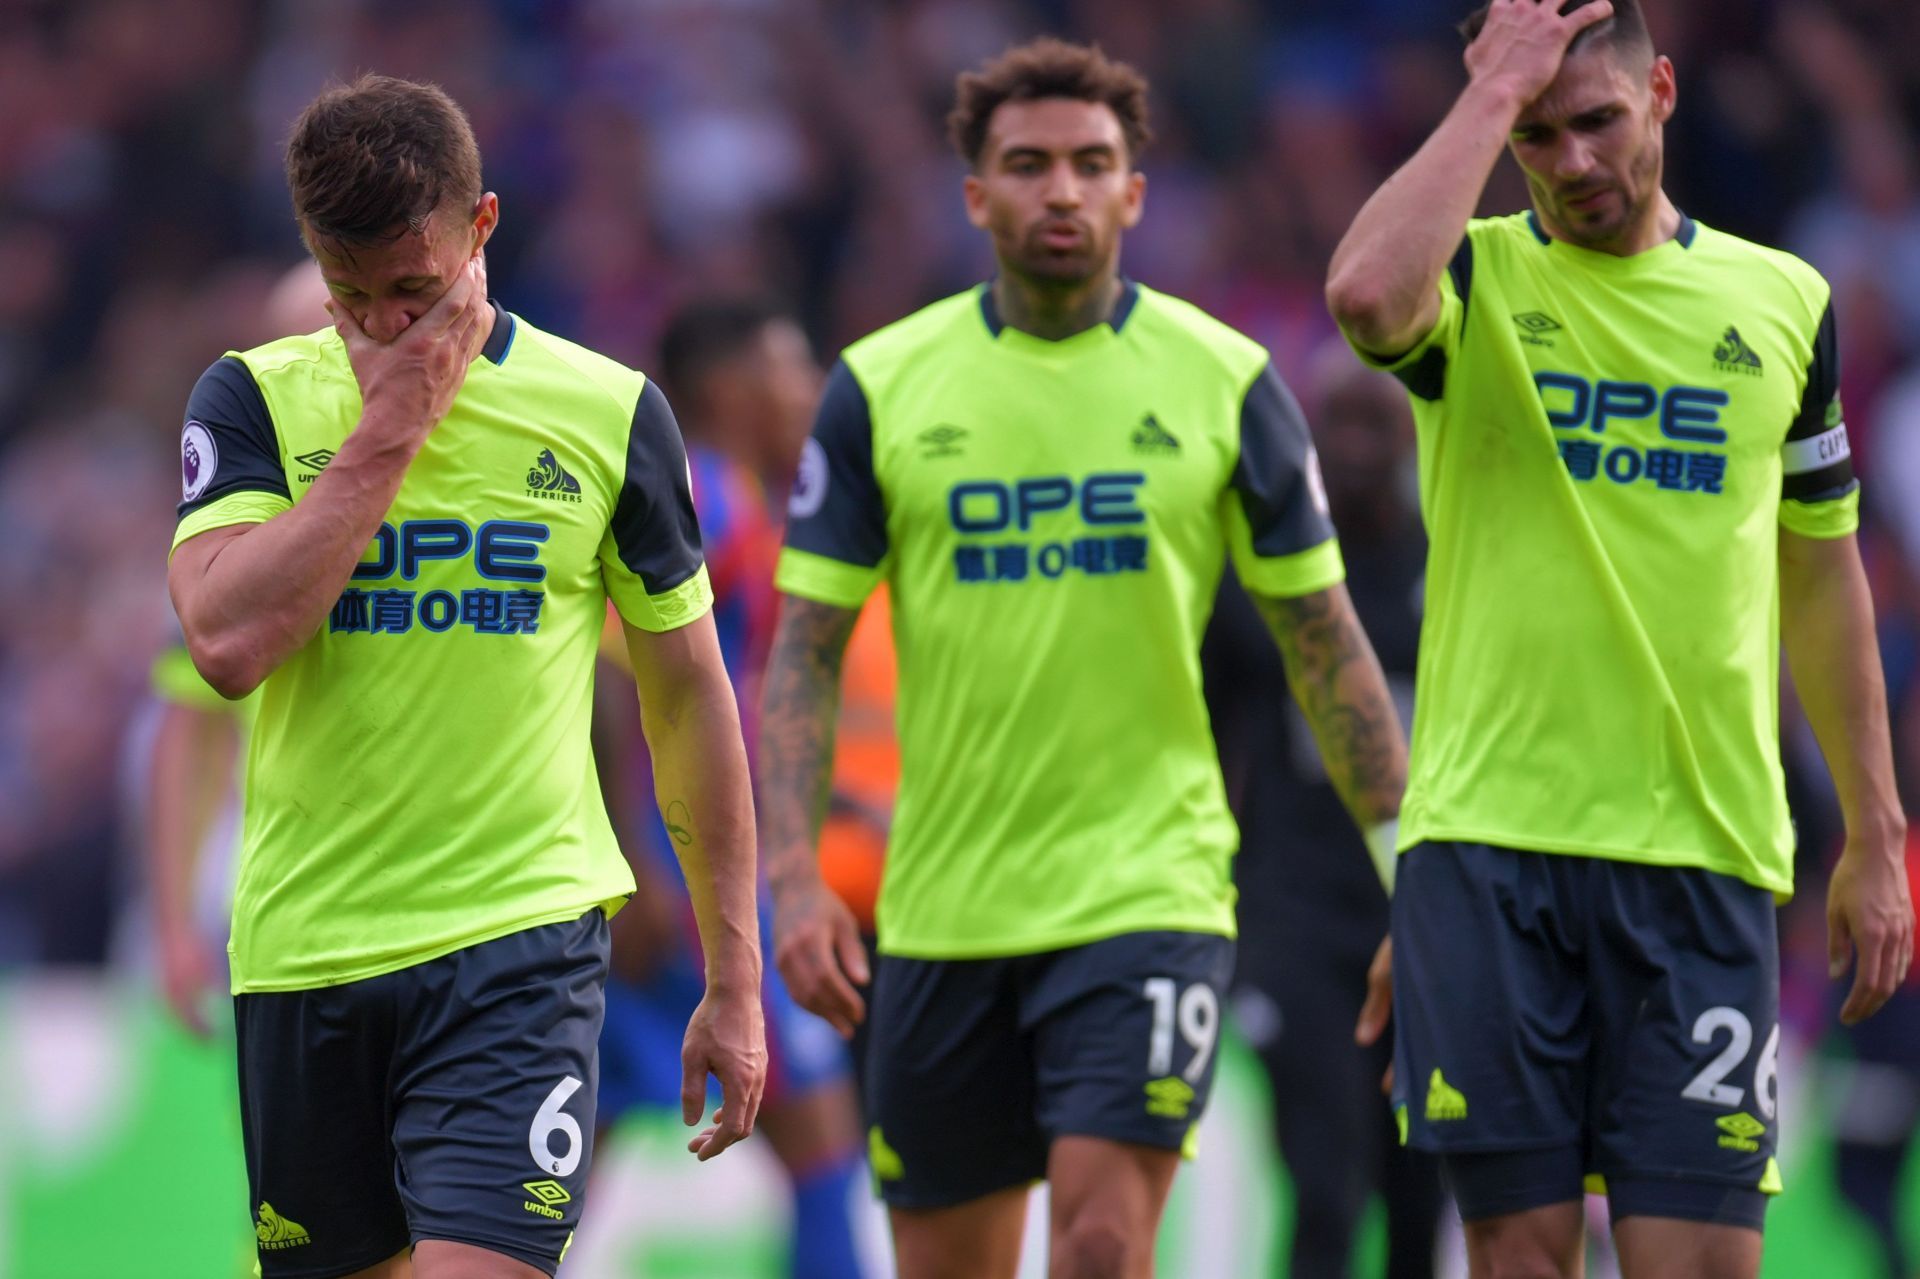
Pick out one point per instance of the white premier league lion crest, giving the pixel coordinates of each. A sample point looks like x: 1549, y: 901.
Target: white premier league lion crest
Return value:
x: 810, y: 485
x: 198, y: 460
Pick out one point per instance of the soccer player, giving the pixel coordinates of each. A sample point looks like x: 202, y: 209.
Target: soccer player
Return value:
x: 1048, y: 471
x: 1311, y: 912
x: 1635, y: 477
x: 737, y: 371
x: 405, y: 531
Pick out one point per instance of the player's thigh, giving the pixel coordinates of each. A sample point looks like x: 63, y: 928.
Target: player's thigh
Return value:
x: 1491, y: 1033
x: 1665, y: 1248
x: 496, y: 1082
x: 440, y: 1259
x: 978, y: 1239
x: 1685, y: 979
x: 1126, y: 1032
x: 314, y: 1119
x: 1105, y: 1201
x: 950, y: 1083
x: 1548, y: 1242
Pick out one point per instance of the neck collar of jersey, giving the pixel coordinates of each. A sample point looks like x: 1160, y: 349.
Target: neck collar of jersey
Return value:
x: 500, y: 341
x: 1682, y: 236
x: 1116, y: 319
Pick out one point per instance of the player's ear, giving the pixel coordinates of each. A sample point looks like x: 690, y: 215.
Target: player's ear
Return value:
x: 974, y: 191
x: 1664, y: 88
x: 1136, y: 203
x: 486, y: 216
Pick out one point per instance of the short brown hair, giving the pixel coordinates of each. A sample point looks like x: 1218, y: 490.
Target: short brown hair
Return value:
x: 370, y: 161
x: 1623, y: 33
x: 1047, y: 68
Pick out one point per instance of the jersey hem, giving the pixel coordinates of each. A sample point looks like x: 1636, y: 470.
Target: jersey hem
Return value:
x: 1410, y: 836
x: 1317, y: 568
x: 430, y: 953
x: 1065, y: 940
x: 226, y: 512
x: 823, y: 579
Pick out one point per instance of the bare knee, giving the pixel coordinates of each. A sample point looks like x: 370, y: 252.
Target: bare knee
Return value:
x: 1541, y: 1243
x: 1099, y: 1245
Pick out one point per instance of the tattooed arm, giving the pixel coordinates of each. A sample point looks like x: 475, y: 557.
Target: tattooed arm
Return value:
x: 816, y: 942
x: 700, y: 782
x: 1338, y: 683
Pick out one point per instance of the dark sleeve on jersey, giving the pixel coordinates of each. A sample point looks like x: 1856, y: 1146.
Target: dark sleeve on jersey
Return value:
x: 836, y: 510
x: 1285, y: 510
x: 227, y: 403
x: 1813, y: 479
x: 654, y: 527
x: 1426, y: 377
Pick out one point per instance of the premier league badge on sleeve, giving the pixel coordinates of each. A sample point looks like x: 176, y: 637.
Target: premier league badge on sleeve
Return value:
x: 198, y: 460
x: 810, y: 484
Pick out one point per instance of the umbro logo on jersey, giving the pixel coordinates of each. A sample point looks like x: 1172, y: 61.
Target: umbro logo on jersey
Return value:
x: 1154, y: 439
x: 549, y: 480
x: 1534, y: 327
x: 314, y: 462
x: 943, y: 440
x: 1731, y: 354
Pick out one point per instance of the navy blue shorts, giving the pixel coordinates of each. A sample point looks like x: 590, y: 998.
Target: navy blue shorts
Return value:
x: 450, y: 1100
x: 975, y: 1066
x: 1561, y: 1018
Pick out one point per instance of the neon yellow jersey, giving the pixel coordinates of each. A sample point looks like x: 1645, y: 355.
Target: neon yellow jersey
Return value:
x: 419, y: 777
x: 1609, y: 448
x: 1052, y: 519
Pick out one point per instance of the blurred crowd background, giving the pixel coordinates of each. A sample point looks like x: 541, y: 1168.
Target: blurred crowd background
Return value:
x: 649, y: 152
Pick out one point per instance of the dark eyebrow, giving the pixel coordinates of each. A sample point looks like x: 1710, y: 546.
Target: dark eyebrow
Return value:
x: 416, y: 279
x: 1092, y: 148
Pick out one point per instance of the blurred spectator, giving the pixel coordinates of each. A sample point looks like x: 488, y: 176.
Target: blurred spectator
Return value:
x: 1311, y: 905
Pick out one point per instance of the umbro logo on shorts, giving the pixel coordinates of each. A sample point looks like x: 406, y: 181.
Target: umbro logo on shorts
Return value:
x: 547, y: 1196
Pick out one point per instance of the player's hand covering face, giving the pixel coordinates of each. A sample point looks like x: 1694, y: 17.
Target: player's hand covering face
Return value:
x: 1055, y: 188
x: 388, y: 287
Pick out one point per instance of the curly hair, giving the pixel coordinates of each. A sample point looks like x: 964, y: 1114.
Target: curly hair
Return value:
x: 1047, y: 68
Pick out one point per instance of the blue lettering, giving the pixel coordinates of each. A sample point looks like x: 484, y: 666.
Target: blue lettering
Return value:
x: 1622, y: 400
x: 964, y: 512
x: 1112, y: 498
x: 1568, y: 418
x: 1689, y: 413
x: 1039, y: 497
x: 422, y: 540
x: 437, y: 611
x: 508, y: 551
x: 386, y: 549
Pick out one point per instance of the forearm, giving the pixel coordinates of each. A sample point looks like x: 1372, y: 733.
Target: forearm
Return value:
x: 1382, y: 280
x: 700, y: 783
x: 248, y: 601
x: 1341, y: 689
x: 799, y: 710
x: 192, y: 769
x: 1827, y: 629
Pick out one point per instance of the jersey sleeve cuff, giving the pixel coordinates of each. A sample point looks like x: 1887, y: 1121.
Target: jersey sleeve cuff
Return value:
x: 251, y: 506
x: 824, y: 580
x: 667, y: 611
x: 1837, y: 517
x: 1289, y: 576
